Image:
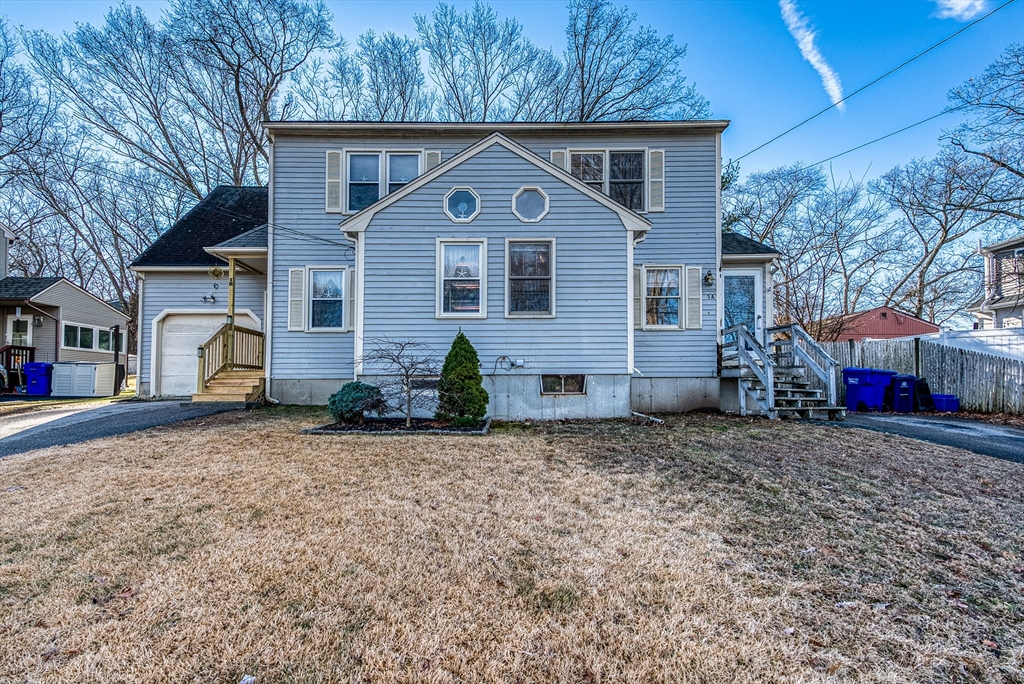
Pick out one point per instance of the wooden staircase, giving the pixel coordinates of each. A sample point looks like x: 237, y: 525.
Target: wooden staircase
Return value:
x: 236, y: 386
x: 778, y: 383
x: 231, y: 367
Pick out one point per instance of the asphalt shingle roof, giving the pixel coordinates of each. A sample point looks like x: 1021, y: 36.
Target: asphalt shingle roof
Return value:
x: 257, y: 237
x: 734, y: 243
x: 14, y: 287
x: 225, y: 213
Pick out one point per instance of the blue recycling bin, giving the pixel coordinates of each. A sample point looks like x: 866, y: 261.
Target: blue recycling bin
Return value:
x: 37, y: 378
x: 865, y: 388
x: 904, y: 393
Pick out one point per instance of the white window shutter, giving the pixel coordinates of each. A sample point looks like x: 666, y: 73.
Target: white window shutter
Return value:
x: 656, y: 184
x: 296, y: 299
x: 558, y: 158
x: 638, y: 297
x: 350, y: 299
x: 334, y: 181
x: 693, y: 298
x: 433, y: 159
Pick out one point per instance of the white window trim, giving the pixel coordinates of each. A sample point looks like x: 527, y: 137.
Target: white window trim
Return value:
x: 307, y: 316
x: 644, y: 325
x: 95, y: 338
x: 547, y: 203
x: 508, y: 272
x: 382, y: 169
x: 470, y: 191
x: 439, y: 277
x: 607, y: 168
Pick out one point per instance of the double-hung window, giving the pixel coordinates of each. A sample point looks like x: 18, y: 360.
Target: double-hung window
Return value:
x: 530, y: 277
x: 326, y: 299
x: 618, y: 174
x: 462, y: 278
x: 662, y: 295
x: 358, y: 178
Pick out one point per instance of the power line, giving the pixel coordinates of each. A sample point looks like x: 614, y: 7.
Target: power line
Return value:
x: 885, y: 75
x: 907, y: 128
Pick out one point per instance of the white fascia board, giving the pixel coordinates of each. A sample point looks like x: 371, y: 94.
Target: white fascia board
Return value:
x: 630, y: 219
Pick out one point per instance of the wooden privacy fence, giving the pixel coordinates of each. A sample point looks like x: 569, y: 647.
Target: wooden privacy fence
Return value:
x: 984, y: 383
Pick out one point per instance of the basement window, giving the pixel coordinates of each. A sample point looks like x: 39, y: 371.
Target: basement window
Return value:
x: 563, y: 384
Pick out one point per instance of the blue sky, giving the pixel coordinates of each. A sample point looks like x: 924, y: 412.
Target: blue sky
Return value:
x: 746, y: 61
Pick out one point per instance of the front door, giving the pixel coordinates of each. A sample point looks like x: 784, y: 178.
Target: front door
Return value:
x: 19, y: 331
x: 743, y: 301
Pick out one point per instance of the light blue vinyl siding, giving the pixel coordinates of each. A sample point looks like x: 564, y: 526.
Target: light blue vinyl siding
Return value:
x: 684, y: 234
x: 184, y: 291
x: 304, y: 234
x: 589, y: 332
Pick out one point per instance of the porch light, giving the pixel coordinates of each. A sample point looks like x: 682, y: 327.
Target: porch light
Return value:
x: 199, y: 352
x: 709, y: 278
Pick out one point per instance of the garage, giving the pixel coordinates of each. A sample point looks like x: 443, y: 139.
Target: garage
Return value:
x: 178, y: 337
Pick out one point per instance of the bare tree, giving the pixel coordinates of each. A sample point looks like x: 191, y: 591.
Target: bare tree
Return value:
x: 395, y: 86
x: 25, y: 113
x: 483, y: 67
x: 614, y: 72
x: 253, y: 46
x: 408, y: 372
x: 934, y: 210
x: 330, y: 91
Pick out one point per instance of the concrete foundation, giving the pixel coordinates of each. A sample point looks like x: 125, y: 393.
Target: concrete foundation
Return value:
x: 518, y: 397
x: 307, y: 392
x: 731, y: 396
x: 675, y: 395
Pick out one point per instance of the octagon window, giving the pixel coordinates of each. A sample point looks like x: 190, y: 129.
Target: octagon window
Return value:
x: 462, y: 205
x: 530, y: 205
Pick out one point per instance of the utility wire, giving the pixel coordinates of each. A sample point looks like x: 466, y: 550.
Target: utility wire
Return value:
x: 949, y: 110
x: 885, y: 75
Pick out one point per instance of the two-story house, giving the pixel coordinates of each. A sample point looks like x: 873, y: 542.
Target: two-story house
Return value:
x: 584, y: 262
x: 1002, y: 305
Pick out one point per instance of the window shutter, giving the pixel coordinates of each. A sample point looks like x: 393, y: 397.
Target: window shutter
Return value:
x: 350, y: 300
x: 693, y: 298
x: 558, y: 159
x: 433, y: 159
x: 656, y: 167
x: 334, y: 181
x: 296, y: 299
x: 638, y: 297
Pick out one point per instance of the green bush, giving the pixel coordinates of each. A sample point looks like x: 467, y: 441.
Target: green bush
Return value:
x: 351, y: 403
x: 462, y: 399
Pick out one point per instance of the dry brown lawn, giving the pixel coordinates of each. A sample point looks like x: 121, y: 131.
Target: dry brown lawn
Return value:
x: 709, y: 550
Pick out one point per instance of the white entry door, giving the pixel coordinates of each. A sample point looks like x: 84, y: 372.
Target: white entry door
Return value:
x: 743, y: 301
x: 179, y: 335
x: 19, y: 331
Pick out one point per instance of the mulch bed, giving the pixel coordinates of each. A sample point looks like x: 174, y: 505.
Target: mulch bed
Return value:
x: 396, y: 426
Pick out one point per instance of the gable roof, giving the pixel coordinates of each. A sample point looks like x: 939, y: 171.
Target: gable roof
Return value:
x: 630, y: 219
x: 734, y: 243
x: 225, y: 213
x: 16, y: 287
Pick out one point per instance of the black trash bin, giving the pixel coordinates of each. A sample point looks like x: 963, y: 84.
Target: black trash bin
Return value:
x: 904, y: 393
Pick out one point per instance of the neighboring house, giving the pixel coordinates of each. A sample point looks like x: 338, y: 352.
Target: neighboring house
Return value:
x: 584, y: 261
x: 1002, y: 306
x: 52, y: 319
x: 880, y: 323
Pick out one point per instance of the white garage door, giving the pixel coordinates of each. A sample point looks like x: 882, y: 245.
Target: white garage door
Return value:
x: 180, y: 334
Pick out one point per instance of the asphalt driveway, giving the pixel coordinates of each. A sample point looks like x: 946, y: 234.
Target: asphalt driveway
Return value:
x: 82, y: 422
x: 989, y: 439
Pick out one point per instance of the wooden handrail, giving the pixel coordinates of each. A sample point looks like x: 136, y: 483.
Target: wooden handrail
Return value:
x: 752, y: 355
x: 802, y: 345
x: 230, y: 348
